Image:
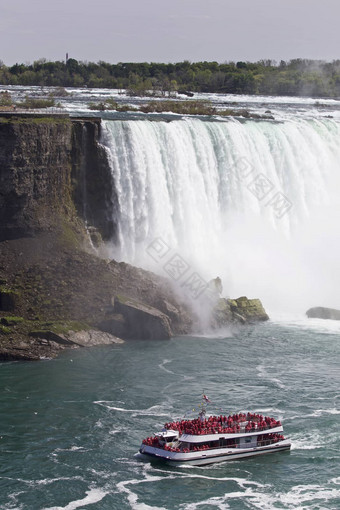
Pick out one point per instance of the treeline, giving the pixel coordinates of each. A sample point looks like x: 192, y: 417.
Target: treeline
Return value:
x: 296, y: 77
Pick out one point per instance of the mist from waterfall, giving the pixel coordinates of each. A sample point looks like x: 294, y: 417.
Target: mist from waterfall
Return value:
x: 254, y: 202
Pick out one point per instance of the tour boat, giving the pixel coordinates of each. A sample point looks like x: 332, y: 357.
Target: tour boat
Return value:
x: 207, y: 440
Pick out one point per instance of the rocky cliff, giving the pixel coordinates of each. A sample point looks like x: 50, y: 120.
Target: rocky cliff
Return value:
x: 93, y: 190
x: 52, y: 169
x: 55, y: 292
x: 34, y: 174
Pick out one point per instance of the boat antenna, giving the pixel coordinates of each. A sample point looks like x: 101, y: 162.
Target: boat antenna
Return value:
x: 205, y: 401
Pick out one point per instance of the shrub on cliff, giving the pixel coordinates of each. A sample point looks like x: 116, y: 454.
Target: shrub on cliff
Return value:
x: 111, y: 104
x: 5, y: 98
x: 197, y: 107
x: 31, y: 103
x: 97, y: 106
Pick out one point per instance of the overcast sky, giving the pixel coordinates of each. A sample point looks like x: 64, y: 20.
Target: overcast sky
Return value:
x: 168, y: 30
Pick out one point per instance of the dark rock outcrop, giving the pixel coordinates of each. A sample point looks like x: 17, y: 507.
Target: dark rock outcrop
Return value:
x: 155, y: 291
x: 320, y: 312
x: 59, y: 284
x: 82, y: 338
x: 143, y: 321
x: 185, y: 93
x: 114, y: 325
x: 21, y: 341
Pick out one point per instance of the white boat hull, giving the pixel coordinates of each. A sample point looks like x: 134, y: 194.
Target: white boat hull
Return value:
x: 212, y: 456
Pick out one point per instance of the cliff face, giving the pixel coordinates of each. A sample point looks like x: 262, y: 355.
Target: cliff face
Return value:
x: 34, y: 174
x: 50, y: 167
x: 92, y: 184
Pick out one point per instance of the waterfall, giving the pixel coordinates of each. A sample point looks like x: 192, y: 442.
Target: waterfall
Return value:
x: 253, y: 202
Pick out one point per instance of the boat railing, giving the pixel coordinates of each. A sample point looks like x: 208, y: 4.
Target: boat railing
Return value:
x: 175, y: 447
x: 259, y: 443
x: 267, y: 442
x: 241, y: 429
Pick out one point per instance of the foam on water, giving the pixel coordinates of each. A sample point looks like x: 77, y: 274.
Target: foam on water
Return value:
x: 71, y: 449
x: 125, y: 487
x: 312, y: 440
x: 92, y: 496
x: 300, y: 321
x: 299, y: 498
x: 184, y: 474
x: 162, y: 366
x: 263, y: 373
x: 320, y: 412
x: 45, y: 481
x: 116, y: 431
x: 151, y: 411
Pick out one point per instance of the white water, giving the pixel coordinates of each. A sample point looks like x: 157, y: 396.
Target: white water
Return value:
x: 190, y: 185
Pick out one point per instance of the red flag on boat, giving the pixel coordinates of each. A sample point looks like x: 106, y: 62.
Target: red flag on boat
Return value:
x: 205, y: 398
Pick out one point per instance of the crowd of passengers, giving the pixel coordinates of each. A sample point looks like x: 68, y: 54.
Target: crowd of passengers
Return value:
x: 266, y: 439
x: 241, y: 422
x: 261, y: 441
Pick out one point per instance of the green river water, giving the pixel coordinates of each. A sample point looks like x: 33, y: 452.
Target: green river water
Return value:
x: 70, y: 428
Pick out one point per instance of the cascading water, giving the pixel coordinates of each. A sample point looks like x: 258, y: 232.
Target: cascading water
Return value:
x: 253, y: 202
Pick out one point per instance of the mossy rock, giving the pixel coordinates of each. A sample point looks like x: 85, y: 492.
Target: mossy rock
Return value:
x: 61, y: 327
x: 242, y: 302
x: 121, y: 299
x: 4, y: 330
x: 11, y: 320
x: 251, y: 309
x: 232, y: 303
x: 59, y: 332
x: 256, y: 303
x: 69, y: 238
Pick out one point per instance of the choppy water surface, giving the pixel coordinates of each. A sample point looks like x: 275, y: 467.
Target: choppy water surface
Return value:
x: 70, y: 428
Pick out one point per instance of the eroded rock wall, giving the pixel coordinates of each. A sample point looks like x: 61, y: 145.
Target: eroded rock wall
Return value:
x: 52, y: 168
x: 34, y: 173
x: 92, y: 183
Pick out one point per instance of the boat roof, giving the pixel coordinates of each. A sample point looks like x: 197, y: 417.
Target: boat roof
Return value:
x: 167, y: 433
